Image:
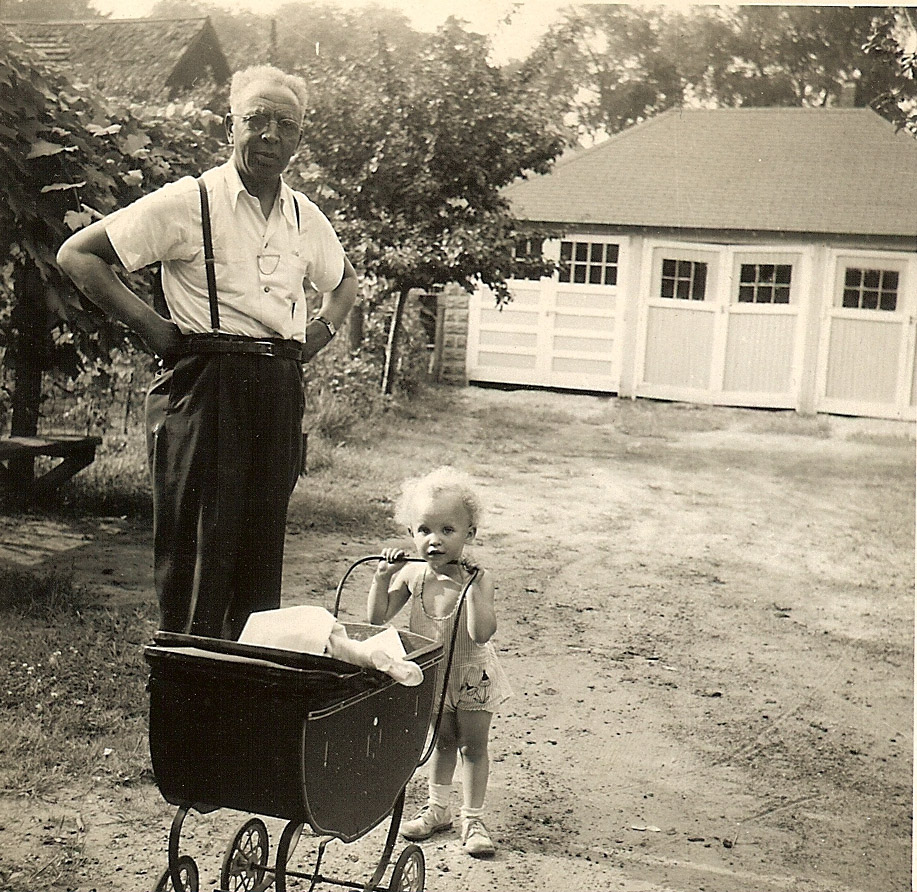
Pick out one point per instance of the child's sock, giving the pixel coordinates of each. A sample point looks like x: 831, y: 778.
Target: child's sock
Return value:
x: 439, y: 794
x: 468, y: 812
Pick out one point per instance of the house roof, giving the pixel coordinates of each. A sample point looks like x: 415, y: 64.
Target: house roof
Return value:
x: 806, y: 170
x: 137, y: 58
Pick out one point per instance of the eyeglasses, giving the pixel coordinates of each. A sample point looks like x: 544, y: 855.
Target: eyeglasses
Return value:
x: 258, y: 122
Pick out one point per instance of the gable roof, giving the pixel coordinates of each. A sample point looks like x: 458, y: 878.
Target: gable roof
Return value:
x: 764, y: 169
x: 142, y: 59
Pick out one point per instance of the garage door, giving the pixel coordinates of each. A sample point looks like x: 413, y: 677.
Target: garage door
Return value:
x: 722, y: 325
x: 562, y: 332
x: 867, y: 349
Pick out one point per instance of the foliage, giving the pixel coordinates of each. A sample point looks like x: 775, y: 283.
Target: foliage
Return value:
x: 615, y: 65
x: 894, y: 43
x: 409, y: 153
x: 809, y: 55
x: 343, y: 386
x: 418, y: 196
x: 69, y: 159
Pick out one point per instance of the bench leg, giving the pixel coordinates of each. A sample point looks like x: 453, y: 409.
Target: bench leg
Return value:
x: 64, y: 471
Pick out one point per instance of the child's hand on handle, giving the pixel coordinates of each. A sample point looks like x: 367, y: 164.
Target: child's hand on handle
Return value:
x: 392, y: 559
x: 382, y: 604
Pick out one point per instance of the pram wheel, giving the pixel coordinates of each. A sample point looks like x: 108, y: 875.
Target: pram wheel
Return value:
x: 243, y: 863
x: 187, y: 873
x: 409, y: 872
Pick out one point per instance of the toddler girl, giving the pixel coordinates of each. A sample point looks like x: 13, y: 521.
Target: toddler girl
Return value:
x: 441, y: 511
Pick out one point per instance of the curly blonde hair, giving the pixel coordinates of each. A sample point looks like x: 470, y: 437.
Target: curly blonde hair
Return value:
x: 259, y: 74
x: 438, y: 482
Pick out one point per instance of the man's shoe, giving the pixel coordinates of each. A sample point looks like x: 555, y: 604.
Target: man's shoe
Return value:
x: 429, y: 820
x: 476, y: 840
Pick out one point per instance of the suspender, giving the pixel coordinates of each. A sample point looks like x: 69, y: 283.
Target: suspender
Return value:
x: 208, y: 257
x: 209, y: 261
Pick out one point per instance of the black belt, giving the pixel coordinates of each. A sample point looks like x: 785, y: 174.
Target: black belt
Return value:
x: 209, y: 343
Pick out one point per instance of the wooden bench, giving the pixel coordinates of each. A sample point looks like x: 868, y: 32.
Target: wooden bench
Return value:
x: 75, y: 452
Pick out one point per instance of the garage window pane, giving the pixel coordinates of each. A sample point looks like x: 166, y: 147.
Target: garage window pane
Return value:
x: 531, y: 250
x: 758, y: 280
x: 595, y: 263
x: 870, y: 289
x: 888, y: 300
x: 683, y: 279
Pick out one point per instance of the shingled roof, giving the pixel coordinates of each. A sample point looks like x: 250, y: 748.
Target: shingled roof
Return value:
x: 806, y: 170
x: 141, y: 59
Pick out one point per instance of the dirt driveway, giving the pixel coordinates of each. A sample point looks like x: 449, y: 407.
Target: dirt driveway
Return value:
x: 708, y: 617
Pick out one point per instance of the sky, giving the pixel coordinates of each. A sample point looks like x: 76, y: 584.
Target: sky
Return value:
x: 513, y: 26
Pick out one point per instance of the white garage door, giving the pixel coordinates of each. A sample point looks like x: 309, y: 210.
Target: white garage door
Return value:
x: 866, y: 359
x: 562, y: 332
x: 722, y: 325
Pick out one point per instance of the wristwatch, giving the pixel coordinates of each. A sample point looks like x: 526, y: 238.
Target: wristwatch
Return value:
x: 329, y: 325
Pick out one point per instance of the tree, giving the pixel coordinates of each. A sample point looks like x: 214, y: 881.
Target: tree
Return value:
x: 617, y: 65
x: 893, y: 44
x: 797, y: 56
x: 68, y: 159
x: 410, y: 154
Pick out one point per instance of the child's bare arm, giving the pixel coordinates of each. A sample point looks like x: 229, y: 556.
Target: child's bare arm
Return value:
x: 482, y: 615
x: 385, y: 600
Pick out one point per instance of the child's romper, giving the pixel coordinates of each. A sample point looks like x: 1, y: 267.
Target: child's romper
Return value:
x: 476, y: 678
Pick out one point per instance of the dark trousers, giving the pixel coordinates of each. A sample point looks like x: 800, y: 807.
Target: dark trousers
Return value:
x: 224, y: 438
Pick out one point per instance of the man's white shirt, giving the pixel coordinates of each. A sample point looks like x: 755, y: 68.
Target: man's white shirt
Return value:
x: 262, y: 267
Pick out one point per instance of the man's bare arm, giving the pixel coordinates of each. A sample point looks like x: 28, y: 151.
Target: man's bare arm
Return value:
x: 335, y: 307
x: 87, y: 257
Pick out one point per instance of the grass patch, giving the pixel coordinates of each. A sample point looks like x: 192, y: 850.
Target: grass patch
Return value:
x: 72, y: 678
x: 40, y: 595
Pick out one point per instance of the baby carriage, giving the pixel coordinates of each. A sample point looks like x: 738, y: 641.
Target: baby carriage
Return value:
x: 308, y: 739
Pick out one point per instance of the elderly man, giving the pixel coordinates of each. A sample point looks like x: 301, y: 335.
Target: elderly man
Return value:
x: 237, y: 247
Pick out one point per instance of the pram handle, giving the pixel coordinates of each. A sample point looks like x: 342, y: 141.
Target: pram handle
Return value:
x: 353, y: 566
x: 458, y: 610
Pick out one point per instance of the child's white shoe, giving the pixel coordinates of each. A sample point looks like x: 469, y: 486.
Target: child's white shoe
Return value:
x: 476, y: 840
x: 429, y: 820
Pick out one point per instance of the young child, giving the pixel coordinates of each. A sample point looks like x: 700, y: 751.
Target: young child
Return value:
x: 441, y: 511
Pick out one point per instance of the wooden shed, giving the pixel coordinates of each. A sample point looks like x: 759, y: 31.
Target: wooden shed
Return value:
x: 746, y: 257
x: 145, y: 60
